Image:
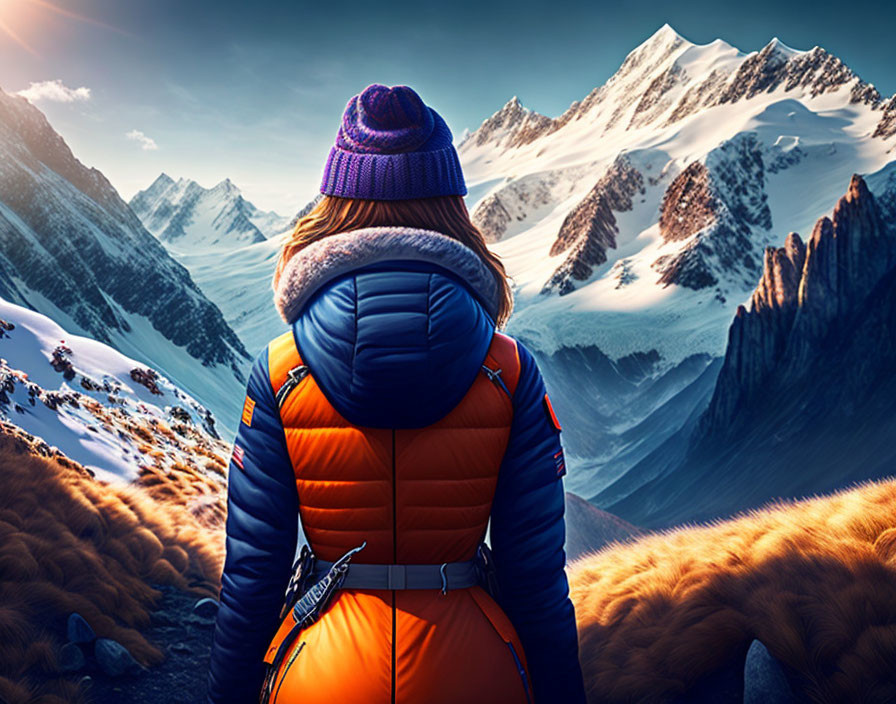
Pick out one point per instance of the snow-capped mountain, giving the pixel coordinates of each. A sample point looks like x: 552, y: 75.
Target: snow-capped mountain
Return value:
x: 634, y: 224
x: 73, y: 250
x: 806, y: 397
x: 188, y: 218
x: 112, y: 414
x: 239, y: 282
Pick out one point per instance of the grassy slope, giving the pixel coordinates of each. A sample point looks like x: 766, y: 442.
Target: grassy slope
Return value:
x: 814, y: 580
x: 71, y: 543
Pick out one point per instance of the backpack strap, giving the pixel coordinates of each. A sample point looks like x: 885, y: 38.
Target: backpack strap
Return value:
x: 285, y: 366
x: 502, y: 363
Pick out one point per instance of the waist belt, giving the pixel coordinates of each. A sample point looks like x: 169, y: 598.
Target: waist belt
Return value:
x: 449, y: 575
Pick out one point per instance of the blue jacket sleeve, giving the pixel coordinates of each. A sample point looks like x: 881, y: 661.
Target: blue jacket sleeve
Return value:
x: 262, y: 530
x: 527, y: 537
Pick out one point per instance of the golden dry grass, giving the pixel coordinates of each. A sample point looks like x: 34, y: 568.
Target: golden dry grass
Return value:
x: 70, y: 543
x: 814, y: 580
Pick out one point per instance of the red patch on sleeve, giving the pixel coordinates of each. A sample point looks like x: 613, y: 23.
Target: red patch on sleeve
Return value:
x: 549, y: 409
x: 238, y: 456
x: 560, y: 463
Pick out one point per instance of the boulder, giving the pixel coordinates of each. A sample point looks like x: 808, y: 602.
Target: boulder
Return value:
x: 113, y: 658
x: 78, y: 630
x: 765, y: 681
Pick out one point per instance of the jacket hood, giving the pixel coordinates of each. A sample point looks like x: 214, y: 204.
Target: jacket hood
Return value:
x: 393, y: 323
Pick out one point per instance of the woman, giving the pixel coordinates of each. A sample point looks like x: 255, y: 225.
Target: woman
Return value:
x: 394, y: 421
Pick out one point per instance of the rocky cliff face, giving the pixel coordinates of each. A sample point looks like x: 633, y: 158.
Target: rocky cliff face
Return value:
x: 590, y: 228
x: 886, y: 128
x: 805, y: 401
x: 758, y: 338
x: 73, y: 249
x: 715, y: 208
x: 806, y: 295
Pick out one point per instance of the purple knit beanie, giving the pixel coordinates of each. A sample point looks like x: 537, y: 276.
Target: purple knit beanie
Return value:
x: 391, y: 146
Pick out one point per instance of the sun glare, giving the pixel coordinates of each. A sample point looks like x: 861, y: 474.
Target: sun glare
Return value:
x: 15, y: 16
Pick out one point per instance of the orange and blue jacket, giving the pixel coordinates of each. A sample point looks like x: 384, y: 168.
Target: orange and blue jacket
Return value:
x: 396, y: 437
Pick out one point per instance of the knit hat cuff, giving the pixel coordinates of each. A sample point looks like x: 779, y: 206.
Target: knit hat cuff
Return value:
x: 421, y: 174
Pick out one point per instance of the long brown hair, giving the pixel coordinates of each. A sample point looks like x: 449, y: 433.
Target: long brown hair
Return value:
x: 445, y: 214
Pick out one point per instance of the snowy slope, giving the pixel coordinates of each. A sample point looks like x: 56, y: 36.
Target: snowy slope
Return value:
x: 634, y: 224
x: 90, y: 406
x: 238, y: 281
x: 808, y: 146
x: 72, y: 249
x: 188, y: 218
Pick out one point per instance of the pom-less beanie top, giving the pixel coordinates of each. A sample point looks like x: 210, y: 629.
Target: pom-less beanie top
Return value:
x: 392, y: 146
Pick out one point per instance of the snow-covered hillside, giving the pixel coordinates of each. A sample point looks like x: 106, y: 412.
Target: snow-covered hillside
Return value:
x: 106, y: 411
x: 73, y: 250
x: 189, y: 218
x: 239, y: 282
x: 635, y: 223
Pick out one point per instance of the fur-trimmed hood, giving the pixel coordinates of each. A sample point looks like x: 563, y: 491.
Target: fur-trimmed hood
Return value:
x: 328, y: 258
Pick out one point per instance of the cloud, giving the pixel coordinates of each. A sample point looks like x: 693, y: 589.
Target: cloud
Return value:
x: 55, y: 91
x: 148, y: 143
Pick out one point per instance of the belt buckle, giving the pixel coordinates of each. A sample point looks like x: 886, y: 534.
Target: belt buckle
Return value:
x: 396, y: 577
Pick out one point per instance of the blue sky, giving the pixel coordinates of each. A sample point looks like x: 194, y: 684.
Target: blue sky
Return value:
x: 254, y: 90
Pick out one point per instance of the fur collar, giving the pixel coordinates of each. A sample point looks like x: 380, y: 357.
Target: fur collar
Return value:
x: 330, y: 257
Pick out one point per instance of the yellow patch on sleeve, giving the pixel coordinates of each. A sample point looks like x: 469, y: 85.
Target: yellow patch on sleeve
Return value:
x: 248, y: 407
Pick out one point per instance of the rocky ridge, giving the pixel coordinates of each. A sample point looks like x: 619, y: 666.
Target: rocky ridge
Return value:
x: 69, y: 244
x: 590, y: 228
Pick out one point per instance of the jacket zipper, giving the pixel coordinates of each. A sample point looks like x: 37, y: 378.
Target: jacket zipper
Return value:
x: 494, y: 375
x: 394, y: 561
x: 293, y: 379
x: 521, y: 670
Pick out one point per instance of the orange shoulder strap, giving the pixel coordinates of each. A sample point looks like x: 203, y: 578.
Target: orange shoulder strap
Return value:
x: 504, y: 355
x: 282, y: 356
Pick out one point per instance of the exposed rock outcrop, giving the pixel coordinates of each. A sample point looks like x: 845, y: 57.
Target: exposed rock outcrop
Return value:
x: 776, y: 65
x: 590, y: 228
x: 516, y: 202
x: 806, y: 294
x: 717, y: 205
x: 758, y: 337
x: 688, y: 204
x: 886, y: 128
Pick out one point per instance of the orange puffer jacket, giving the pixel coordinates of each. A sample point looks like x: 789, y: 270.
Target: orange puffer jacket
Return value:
x: 415, y: 425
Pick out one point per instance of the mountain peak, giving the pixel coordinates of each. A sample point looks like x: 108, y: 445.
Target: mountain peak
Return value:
x: 519, y: 123
x: 226, y: 186
x: 192, y: 218
x: 779, y: 48
x: 667, y: 33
